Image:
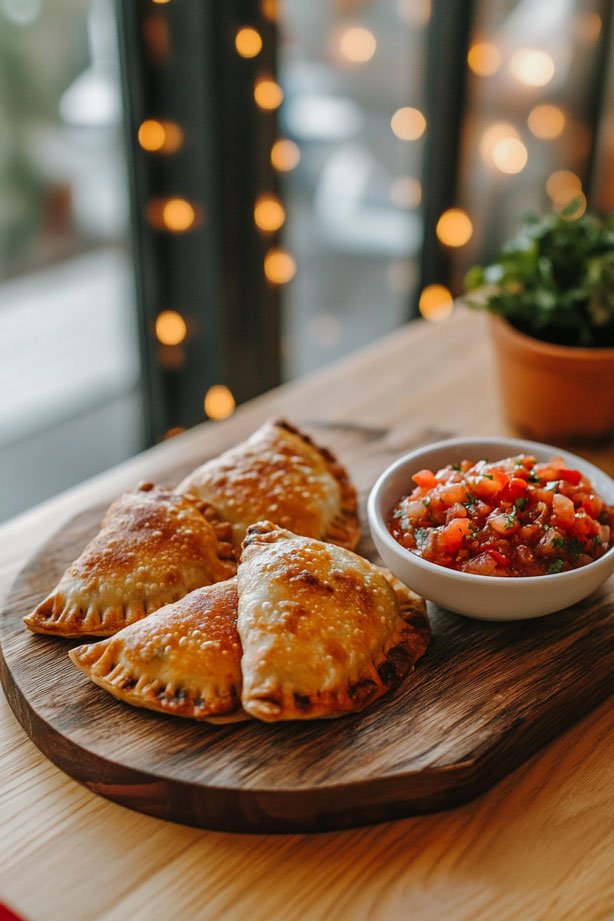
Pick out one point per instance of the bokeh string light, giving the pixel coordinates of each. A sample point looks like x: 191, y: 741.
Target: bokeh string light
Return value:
x: 160, y: 136
x: 435, y: 303
x: 219, y: 402
x: 408, y: 123
x: 279, y: 266
x: 357, y: 45
x: 248, y: 42
x: 546, y: 121
x: 268, y: 94
x: 171, y: 328
x: 269, y: 213
x: 285, y: 155
x: 176, y: 215
x: 454, y: 227
x: 484, y: 59
x: 532, y: 67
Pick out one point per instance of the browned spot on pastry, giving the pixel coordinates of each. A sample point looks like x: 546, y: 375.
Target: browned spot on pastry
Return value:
x: 336, y: 651
x: 361, y: 691
x: 127, y: 684
x: 305, y: 579
x: 387, y: 672
x: 302, y: 702
x: 292, y: 618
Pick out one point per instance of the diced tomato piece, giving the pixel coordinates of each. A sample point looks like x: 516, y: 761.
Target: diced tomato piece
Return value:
x: 546, y: 472
x: 455, y: 494
x: 414, y: 510
x: 531, y: 532
x: 499, y: 558
x: 504, y: 523
x: 425, y: 478
x: 592, y: 505
x: 572, y: 476
x: 563, y: 511
x: 452, y: 536
x: 482, y: 565
x: 543, y: 496
x: 515, y: 489
x: 487, y: 487
x: 455, y: 511
x: 584, y: 525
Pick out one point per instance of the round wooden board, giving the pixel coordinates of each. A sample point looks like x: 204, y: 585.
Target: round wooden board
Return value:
x: 483, y: 699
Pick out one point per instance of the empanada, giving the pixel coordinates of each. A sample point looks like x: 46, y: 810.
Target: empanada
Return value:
x: 281, y: 475
x: 324, y: 632
x: 185, y: 659
x: 153, y: 548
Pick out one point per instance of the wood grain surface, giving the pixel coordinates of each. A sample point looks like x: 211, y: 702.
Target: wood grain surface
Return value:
x: 535, y: 847
x: 480, y: 702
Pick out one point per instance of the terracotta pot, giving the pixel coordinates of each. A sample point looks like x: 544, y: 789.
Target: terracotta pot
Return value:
x: 554, y: 392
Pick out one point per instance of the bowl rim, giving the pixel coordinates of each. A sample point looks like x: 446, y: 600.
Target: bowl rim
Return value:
x: 377, y: 521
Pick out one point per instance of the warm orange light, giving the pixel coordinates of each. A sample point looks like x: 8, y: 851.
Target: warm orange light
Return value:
x: 160, y: 2
x: 408, y: 123
x: 219, y: 402
x: 173, y: 432
x: 546, y: 121
x: 285, y: 155
x: 357, y: 45
x: 454, y: 228
x: 171, y: 328
x: 573, y: 208
x: 268, y: 94
x: 532, y: 67
x: 562, y: 186
x: 175, y: 214
x: 248, y: 43
x: 178, y: 215
x: 416, y: 12
x: 406, y: 192
x: 269, y: 9
x: 587, y: 26
x: 499, y: 131
x: 160, y: 136
x: 510, y: 155
x: 484, y: 59
x: 269, y: 213
x: 279, y: 266
x: 156, y: 36
x: 435, y: 303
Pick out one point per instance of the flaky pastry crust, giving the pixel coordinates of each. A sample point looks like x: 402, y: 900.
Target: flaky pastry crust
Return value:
x: 282, y: 475
x: 154, y: 546
x: 184, y: 660
x: 324, y: 632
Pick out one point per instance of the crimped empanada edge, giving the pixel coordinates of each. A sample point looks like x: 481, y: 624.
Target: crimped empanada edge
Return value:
x: 153, y: 694
x: 344, y: 530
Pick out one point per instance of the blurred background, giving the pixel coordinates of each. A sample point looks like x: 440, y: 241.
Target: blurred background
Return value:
x: 202, y: 199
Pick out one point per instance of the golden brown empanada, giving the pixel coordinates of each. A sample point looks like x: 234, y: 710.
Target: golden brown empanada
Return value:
x: 281, y: 475
x: 185, y: 659
x: 324, y: 632
x: 153, y: 548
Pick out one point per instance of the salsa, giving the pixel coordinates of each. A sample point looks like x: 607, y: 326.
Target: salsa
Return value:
x: 513, y: 517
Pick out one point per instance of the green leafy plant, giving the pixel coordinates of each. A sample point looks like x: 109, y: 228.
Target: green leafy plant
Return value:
x: 554, y: 280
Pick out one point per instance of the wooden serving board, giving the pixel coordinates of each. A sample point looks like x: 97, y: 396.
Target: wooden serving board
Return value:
x: 483, y: 700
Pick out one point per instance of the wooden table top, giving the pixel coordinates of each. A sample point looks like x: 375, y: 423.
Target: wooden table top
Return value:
x: 537, y: 846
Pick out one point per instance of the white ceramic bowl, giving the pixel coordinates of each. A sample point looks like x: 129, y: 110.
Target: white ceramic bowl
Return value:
x: 482, y: 597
